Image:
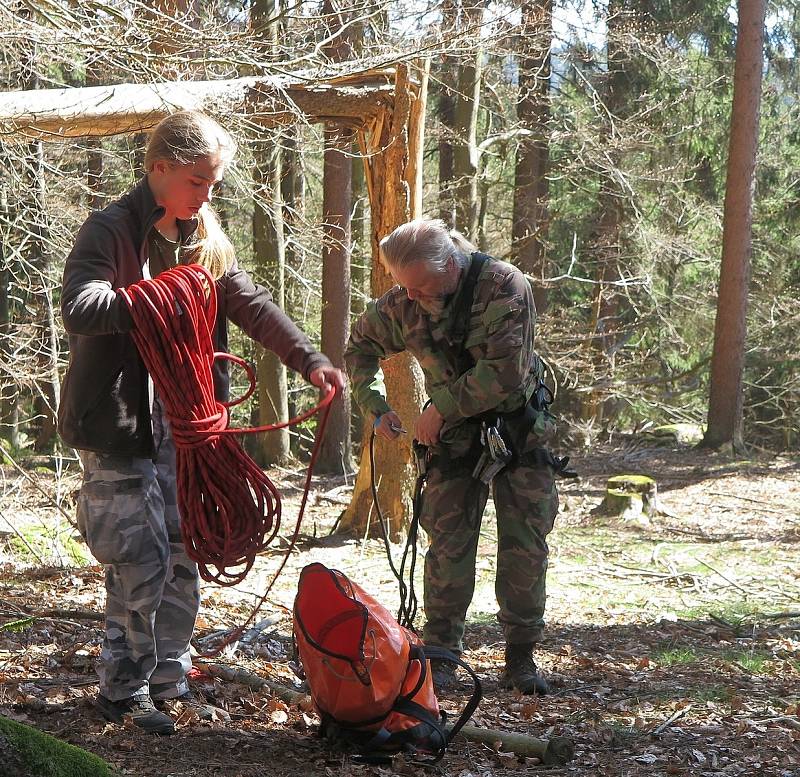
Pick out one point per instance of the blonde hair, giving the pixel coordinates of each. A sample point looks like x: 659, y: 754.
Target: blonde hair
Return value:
x: 183, y: 138
x: 425, y: 240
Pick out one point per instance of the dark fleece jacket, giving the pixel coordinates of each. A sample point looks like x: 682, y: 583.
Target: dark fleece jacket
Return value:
x: 105, y: 399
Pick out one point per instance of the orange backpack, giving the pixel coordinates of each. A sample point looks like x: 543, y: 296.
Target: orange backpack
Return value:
x: 369, y: 677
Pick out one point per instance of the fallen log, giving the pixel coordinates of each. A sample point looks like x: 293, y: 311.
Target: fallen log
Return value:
x: 28, y: 752
x: 243, y: 677
x: 552, y: 751
x: 555, y: 750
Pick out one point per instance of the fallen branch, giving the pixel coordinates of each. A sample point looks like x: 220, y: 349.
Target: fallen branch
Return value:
x: 243, y: 677
x: 53, y: 614
x: 725, y: 577
x: 43, y: 491
x: 21, y: 538
x: 759, y: 502
x: 786, y: 720
x: 552, y: 751
x: 78, y: 615
x: 556, y: 750
x: 679, y: 713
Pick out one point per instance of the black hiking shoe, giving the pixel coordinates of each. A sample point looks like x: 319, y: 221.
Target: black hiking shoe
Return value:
x: 196, y: 704
x: 521, y: 671
x: 443, y: 674
x: 141, y: 711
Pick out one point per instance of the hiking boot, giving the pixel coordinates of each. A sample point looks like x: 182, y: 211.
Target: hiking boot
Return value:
x: 200, y: 707
x: 443, y: 674
x: 521, y: 671
x: 141, y: 711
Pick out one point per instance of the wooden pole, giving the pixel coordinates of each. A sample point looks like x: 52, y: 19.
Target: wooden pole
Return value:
x: 392, y: 200
x: 59, y: 114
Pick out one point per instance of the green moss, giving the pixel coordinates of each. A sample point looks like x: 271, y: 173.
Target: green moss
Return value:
x: 628, y: 483
x: 46, y: 756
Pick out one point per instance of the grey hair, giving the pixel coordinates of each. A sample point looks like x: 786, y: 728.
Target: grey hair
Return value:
x: 425, y: 240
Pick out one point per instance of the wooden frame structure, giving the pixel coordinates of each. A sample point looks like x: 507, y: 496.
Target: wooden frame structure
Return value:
x: 386, y: 108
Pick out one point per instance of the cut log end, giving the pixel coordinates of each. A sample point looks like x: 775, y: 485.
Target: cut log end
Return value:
x: 560, y: 751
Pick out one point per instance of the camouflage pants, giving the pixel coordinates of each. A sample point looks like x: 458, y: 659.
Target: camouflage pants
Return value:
x: 128, y: 515
x: 526, y: 502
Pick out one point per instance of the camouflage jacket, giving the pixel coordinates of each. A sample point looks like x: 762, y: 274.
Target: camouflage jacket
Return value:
x: 499, y: 339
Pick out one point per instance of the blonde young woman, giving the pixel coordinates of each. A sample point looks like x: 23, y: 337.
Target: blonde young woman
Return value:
x: 127, y: 509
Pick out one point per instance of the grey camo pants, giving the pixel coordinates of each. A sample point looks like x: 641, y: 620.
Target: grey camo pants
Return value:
x: 128, y: 515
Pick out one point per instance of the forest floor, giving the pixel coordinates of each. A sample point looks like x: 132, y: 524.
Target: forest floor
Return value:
x: 673, y: 648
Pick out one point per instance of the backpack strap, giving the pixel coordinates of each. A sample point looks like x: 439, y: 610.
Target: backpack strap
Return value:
x: 417, y: 653
x: 462, y: 310
x: 371, y: 750
x: 443, y: 654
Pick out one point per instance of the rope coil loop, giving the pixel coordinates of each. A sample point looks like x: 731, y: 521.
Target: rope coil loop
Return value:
x: 230, y: 510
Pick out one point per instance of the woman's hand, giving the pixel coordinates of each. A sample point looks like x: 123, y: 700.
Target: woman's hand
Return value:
x: 325, y: 377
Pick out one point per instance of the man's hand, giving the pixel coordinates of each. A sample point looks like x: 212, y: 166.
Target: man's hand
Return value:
x: 429, y: 424
x: 389, y: 426
x: 325, y: 377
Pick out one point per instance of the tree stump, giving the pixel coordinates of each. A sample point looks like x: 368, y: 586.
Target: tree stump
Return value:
x: 631, y: 497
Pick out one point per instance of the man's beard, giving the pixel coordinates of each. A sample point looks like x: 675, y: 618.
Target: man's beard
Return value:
x: 433, y: 307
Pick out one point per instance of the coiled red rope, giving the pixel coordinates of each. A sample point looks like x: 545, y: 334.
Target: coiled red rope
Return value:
x: 230, y: 510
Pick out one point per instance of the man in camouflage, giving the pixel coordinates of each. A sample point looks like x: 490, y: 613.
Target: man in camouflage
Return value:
x: 489, y: 370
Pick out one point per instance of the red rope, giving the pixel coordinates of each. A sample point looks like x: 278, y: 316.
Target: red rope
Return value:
x: 230, y: 510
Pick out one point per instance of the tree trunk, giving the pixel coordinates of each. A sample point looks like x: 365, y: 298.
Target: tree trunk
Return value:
x: 335, y: 451
x: 38, y: 294
x: 530, y: 210
x: 395, y: 197
x: 293, y: 197
x: 94, y: 156
x: 9, y: 392
x: 359, y: 236
x: 465, y: 125
x: 27, y: 752
x: 268, y: 255
x: 606, y: 243
x: 360, y: 257
x: 117, y: 109
x: 445, y: 110
x: 725, y: 421
x: 337, y: 202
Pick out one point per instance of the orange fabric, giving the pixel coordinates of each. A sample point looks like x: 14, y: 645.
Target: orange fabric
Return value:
x: 355, y: 654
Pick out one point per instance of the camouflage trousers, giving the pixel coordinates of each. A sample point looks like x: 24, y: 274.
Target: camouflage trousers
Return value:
x: 128, y: 515
x: 453, y: 502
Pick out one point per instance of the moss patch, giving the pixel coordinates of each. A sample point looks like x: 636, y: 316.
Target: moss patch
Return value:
x: 45, y: 756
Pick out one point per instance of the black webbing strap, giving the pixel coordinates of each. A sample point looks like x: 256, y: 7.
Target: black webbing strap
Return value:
x: 417, y: 653
x: 463, y: 309
x: 443, y: 654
